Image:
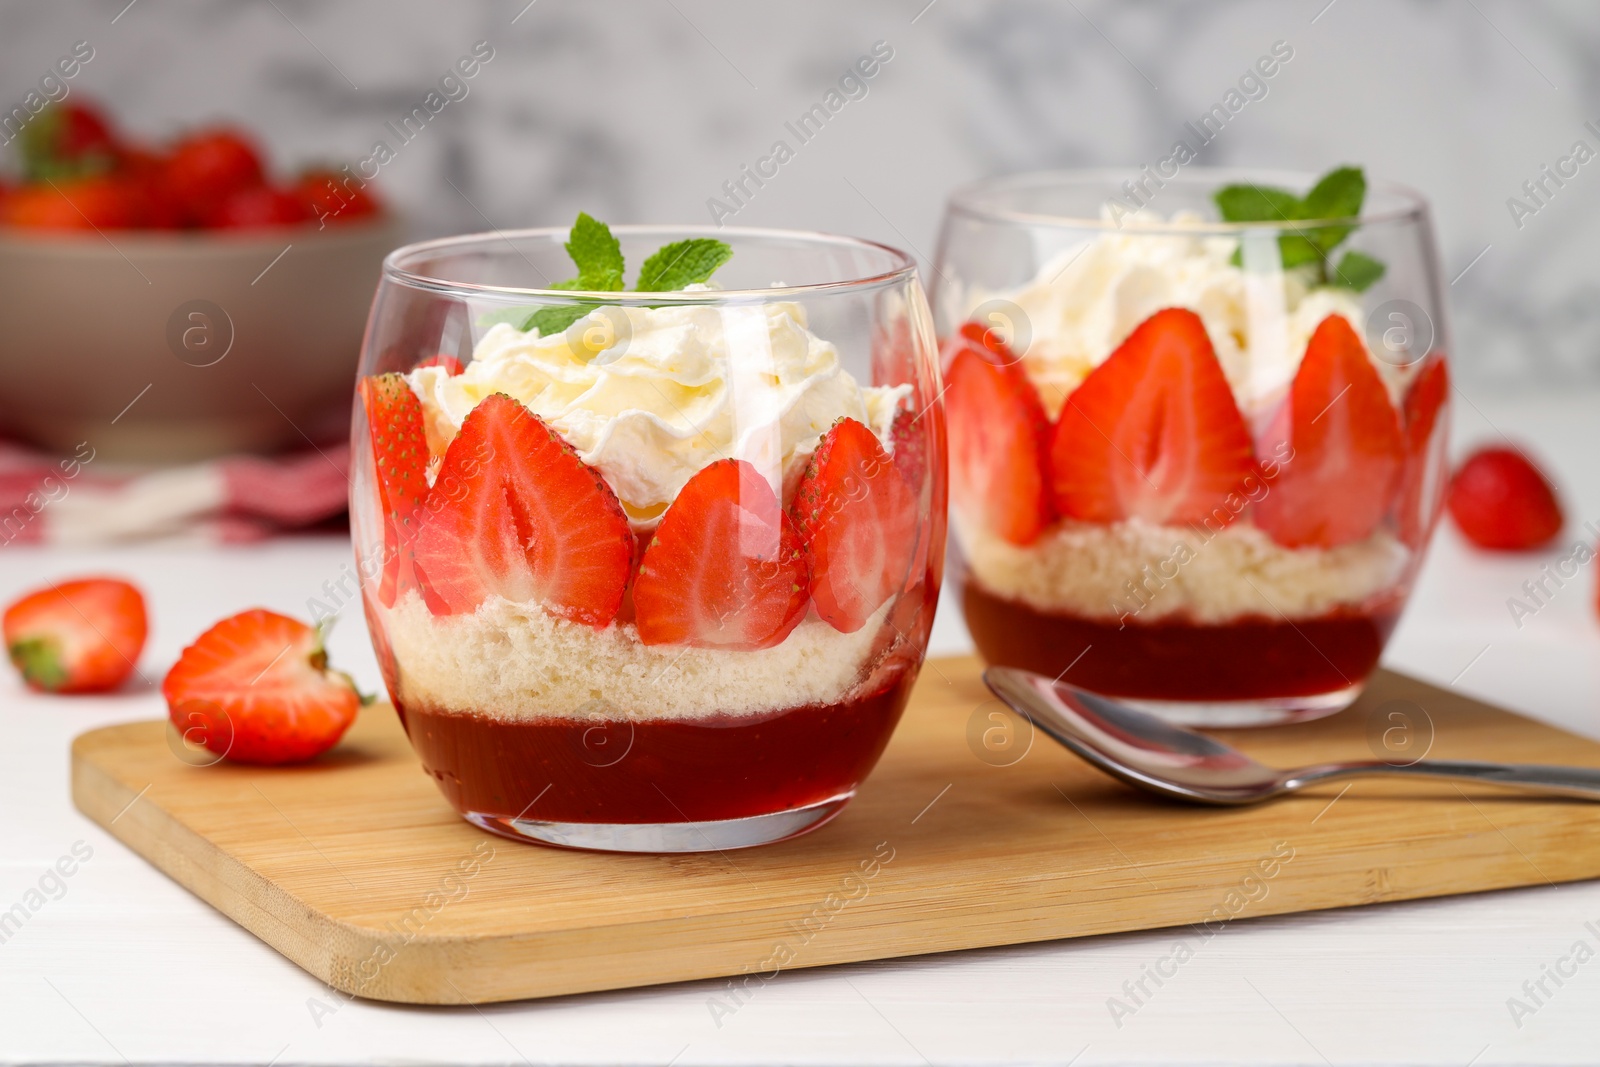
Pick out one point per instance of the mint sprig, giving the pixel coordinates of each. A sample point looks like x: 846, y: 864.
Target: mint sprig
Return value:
x: 682, y: 264
x: 1357, y: 271
x: 598, y: 256
x: 555, y: 319
x: 1336, y: 195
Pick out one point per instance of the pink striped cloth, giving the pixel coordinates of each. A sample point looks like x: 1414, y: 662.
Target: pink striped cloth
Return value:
x: 79, y: 500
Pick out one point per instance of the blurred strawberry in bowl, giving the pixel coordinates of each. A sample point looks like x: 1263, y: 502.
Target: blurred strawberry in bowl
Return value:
x: 68, y: 138
x: 120, y: 252
x: 98, y: 202
x: 79, y: 172
x: 258, y: 206
x: 334, y: 198
x: 205, y: 168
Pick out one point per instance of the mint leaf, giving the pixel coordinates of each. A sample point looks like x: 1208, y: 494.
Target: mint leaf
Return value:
x: 1263, y: 203
x: 1357, y: 271
x: 597, y: 253
x: 553, y: 320
x: 1255, y: 203
x: 517, y: 317
x: 682, y: 264
x: 1338, y: 194
x: 525, y: 318
x: 598, y: 256
x: 1296, y: 251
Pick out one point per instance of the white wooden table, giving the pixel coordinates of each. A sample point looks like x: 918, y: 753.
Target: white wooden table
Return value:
x: 121, y: 965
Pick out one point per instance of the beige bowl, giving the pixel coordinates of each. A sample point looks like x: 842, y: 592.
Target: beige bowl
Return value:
x: 157, y: 347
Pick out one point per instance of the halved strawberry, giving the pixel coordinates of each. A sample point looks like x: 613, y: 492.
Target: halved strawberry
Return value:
x: 400, y: 457
x: 452, y: 366
x: 725, y: 568
x: 1423, y: 481
x: 858, y: 520
x: 514, y: 512
x: 1153, y: 433
x: 999, y: 437
x: 82, y: 636
x: 1347, y: 448
x: 256, y: 688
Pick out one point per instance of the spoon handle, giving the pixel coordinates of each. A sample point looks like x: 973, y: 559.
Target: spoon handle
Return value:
x: 1582, y: 783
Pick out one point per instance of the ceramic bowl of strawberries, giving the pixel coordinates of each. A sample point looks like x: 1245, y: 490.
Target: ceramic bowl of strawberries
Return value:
x: 1197, y: 429
x: 174, y: 301
x: 650, y: 524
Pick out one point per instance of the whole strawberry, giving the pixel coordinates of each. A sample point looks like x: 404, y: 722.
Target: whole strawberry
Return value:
x: 81, y: 636
x: 256, y: 688
x: 1502, y: 501
x: 206, y: 166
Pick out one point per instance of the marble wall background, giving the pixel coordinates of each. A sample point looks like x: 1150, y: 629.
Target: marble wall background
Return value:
x: 639, y: 110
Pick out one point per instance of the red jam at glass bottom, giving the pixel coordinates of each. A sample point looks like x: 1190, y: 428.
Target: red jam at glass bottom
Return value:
x: 1252, y: 658
x: 655, y: 771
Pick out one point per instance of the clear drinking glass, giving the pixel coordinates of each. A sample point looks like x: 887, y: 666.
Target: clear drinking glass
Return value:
x: 1194, y: 463
x: 661, y: 580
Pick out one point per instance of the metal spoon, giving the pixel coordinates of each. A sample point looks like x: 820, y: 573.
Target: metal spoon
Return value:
x: 1171, y: 761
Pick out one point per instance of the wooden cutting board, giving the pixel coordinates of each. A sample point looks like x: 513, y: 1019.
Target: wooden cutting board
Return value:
x: 966, y: 835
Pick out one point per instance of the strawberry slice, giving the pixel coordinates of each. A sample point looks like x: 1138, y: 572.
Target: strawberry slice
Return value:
x: 859, y: 523
x: 725, y: 568
x: 514, y: 512
x: 1339, y: 480
x: 1422, y: 484
x: 999, y: 437
x: 910, y: 448
x: 915, y: 439
x: 400, y: 458
x: 82, y: 636
x: 1153, y: 433
x: 256, y: 688
x: 452, y: 366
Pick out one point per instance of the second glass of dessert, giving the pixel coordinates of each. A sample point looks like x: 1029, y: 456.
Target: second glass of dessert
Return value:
x: 1197, y: 425
x: 651, y: 524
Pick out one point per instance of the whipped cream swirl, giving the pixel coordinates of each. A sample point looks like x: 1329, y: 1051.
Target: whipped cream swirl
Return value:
x: 649, y: 396
x: 1087, y: 299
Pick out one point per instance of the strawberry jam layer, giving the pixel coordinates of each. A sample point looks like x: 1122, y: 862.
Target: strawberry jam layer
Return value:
x: 655, y: 770
x: 1251, y: 658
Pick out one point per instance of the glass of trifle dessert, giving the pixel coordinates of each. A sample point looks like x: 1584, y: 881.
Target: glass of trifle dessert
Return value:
x: 650, y: 523
x: 1197, y: 423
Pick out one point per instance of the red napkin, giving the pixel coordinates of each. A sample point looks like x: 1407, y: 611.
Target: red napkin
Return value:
x: 81, y: 500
